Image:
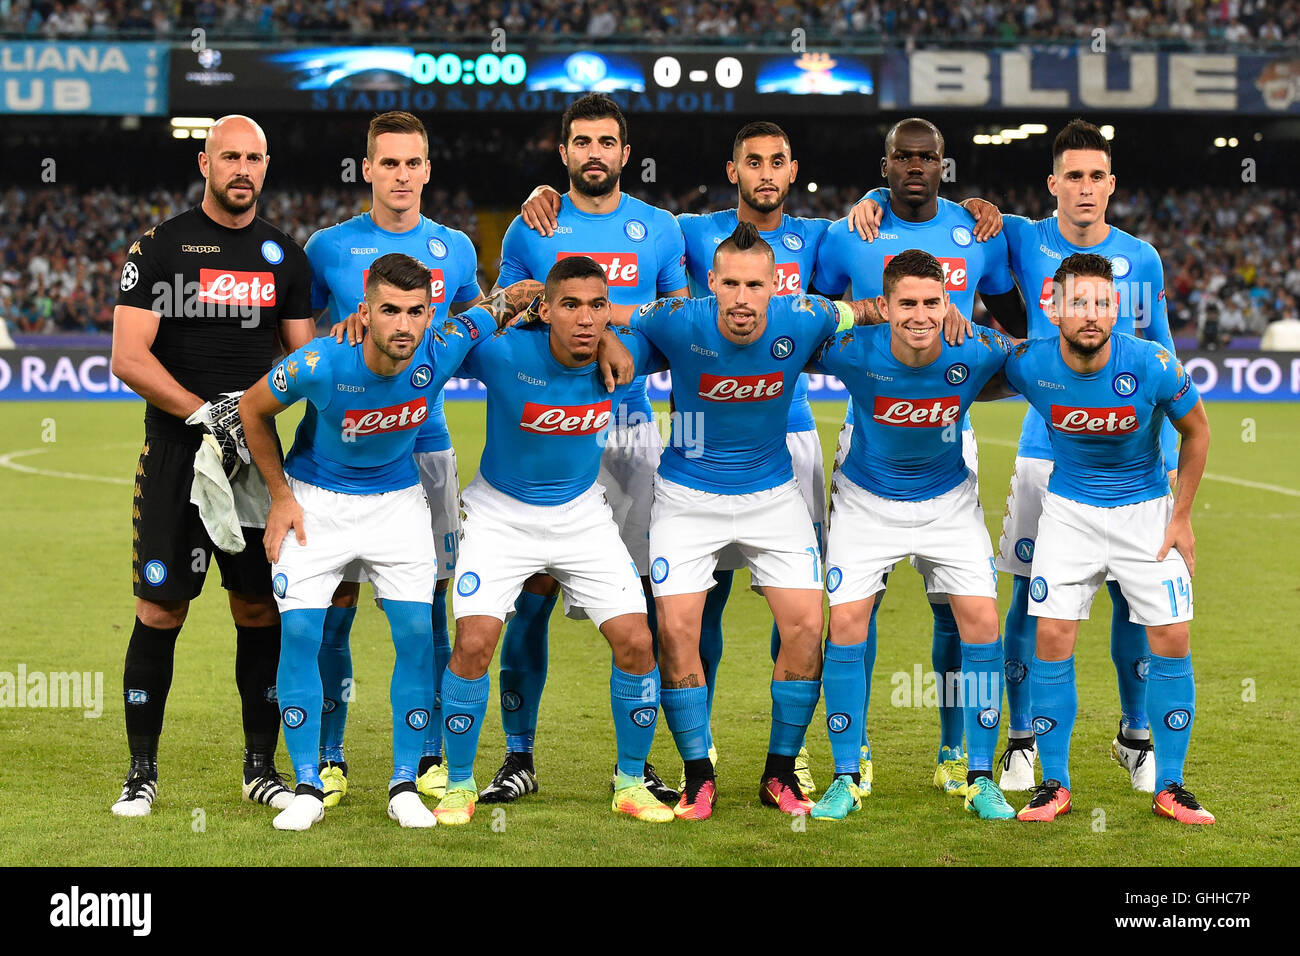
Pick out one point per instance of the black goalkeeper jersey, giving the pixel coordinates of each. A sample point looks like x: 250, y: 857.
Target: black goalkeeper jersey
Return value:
x: 220, y: 295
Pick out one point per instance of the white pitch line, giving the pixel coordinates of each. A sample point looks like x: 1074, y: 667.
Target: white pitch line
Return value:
x: 1208, y: 476
x: 7, y: 461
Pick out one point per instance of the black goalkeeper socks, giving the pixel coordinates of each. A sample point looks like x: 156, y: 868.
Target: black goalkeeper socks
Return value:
x: 257, y: 657
x: 146, y: 680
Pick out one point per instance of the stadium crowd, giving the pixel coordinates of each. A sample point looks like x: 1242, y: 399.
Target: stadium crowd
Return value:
x: 1230, y: 258
x: 1213, y: 23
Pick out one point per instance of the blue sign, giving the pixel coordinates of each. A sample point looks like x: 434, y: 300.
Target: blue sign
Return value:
x: 117, y: 79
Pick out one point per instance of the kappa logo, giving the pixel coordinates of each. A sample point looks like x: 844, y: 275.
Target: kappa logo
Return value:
x: 956, y: 374
x: 635, y: 230
x: 989, y: 718
x: 280, y: 584
x: 294, y: 717
x: 838, y: 723
x: 1025, y: 550
x: 961, y: 236
x: 834, y: 577
x: 437, y: 248
x: 659, y: 570
x: 1015, y: 671
x: 459, y: 723
x: 1043, y: 725
x: 467, y: 584
x: 783, y: 347
x: 792, y: 242
x: 1125, y: 384
x: 134, y: 696
x: 421, y: 376
x: 417, y: 719
x: 511, y: 701
x: 155, y: 572
x: 1178, y: 719
x: 272, y: 252
x: 130, y: 276
x: 1038, y: 589
x: 644, y: 716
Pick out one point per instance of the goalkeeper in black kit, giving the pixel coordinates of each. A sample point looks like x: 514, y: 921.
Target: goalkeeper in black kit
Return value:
x: 207, y: 302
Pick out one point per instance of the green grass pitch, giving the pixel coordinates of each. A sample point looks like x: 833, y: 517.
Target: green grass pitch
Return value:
x: 65, y: 502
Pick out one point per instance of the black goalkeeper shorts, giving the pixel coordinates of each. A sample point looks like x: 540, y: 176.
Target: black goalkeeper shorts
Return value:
x: 170, y: 548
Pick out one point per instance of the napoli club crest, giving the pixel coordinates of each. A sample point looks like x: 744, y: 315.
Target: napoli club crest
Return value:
x: 961, y: 236
x: 422, y: 376
x: 1120, y: 266
x: 783, y: 347
x: 634, y: 229
x: 1125, y: 384
x: 956, y: 374
x: 792, y: 242
x: 272, y: 252
x: 437, y: 248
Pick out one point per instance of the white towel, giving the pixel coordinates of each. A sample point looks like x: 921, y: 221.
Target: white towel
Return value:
x: 225, y: 507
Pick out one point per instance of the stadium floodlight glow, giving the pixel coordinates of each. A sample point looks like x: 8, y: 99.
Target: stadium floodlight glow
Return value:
x: 981, y: 139
x: 1232, y: 141
x: 1010, y: 134
x: 198, y: 134
x: 1259, y: 137
x: 192, y: 122
x: 180, y: 134
x: 1220, y: 142
x: 996, y: 139
x: 1034, y: 129
x: 812, y: 187
x: 1107, y: 132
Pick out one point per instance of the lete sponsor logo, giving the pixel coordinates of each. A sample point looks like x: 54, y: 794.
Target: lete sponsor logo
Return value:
x: 393, y: 418
x: 564, y: 419
x: 788, y: 279
x: 620, y: 267
x: 1094, y: 421
x: 954, y: 272
x: 924, y: 413
x: 237, y: 288
x: 741, y: 388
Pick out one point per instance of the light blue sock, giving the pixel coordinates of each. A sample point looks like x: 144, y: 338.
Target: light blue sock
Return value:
x: 711, y: 639
x: 634, y: 700
x: 946, y: 659
x: 335, y: 661
x: 1018, y: 648
x: 1132, y: 656
x: 411, y: 689
x: 981, y: 666
x: 845, y: 686
x: 1171, y: 700
x: 464, y: 704
x: 1056, y: 703
x: 524, y: 653
x: 298, y: 689
x: 686, y: 712
x: 793, y: 703
x: 868, y: 666
x: 441, y: 655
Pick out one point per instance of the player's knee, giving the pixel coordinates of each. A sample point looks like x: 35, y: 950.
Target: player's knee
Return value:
x: 1055, y: 639
x: 476, y: 641
x: 848, y: 624
x: 346, y: 594
x: 1170, y: 640
x: 162, y: 615
x: 250, y: 610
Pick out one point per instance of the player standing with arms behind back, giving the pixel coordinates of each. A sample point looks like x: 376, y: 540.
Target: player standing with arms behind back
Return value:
x: 397, y: 167
x: 207, y: 298
x: 1108, y: 512
x: 640, y: 248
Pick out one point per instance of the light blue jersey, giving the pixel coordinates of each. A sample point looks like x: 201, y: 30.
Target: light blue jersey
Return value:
x: 1037, y: 249
x: 795, y: 247
x: 1105, y: 427
x: 358, y: 434
x: 546, y: 423
x: 638, y: 245
x: 906, y: 444
x: 845, y: 262
x: 737, y: 396
x: 340, y: 258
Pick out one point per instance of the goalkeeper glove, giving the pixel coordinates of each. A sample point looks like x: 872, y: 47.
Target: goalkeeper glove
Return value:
x: 224, y: 431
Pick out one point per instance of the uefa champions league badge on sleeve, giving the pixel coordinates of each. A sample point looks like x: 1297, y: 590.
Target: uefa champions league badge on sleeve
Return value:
x: 130, y: 276
x: 437, y: 248
x: 272, y: 252
x: 635, y: 230
x: 961, y: 236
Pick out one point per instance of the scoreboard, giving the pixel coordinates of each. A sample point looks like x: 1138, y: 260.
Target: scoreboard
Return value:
x: 369, y: 79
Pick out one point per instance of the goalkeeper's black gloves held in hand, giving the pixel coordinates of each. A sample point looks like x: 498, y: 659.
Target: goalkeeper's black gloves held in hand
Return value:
x: 224, y: 431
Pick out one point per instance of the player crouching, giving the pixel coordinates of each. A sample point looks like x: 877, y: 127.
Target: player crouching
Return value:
x: 1108, y: 510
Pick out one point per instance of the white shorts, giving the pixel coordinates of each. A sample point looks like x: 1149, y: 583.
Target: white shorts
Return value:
x: 1078, y: 545
x: 386, y: 535
x: 1020, y: 521
x: 944, y: 537
x: 690, y: 529
x: 970, y: 450
x: 441, y: 486
x: 505, y: 541
x: 627, y: 471
x: 806, y: 457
